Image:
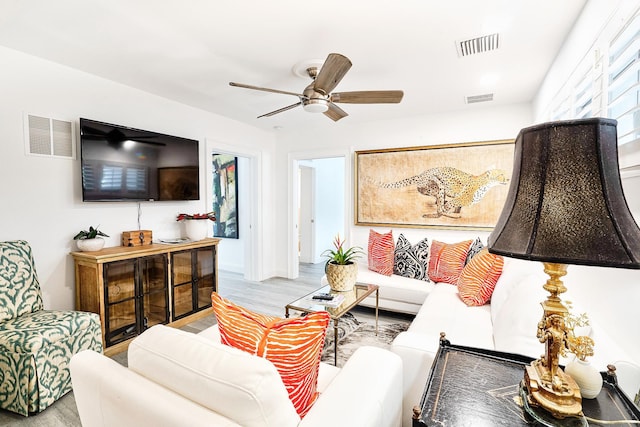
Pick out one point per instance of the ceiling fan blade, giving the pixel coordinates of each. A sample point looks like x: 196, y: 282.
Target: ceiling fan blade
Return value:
x: 368, y: 97
x: 332, y: 71
x: 264, y: 89
x: 334, y: 112
x: 289, y: 107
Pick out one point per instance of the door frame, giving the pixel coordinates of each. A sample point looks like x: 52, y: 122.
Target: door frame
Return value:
x: 253, y: 262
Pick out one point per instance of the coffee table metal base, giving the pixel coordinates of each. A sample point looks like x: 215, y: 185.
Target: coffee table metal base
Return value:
x: 307, y: 304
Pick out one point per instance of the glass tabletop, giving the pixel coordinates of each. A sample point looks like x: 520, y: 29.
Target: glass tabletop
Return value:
x: 307, y: 304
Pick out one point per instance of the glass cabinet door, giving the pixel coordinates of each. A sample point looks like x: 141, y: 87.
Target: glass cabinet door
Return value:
x: 120, y: 295
x: 136, y: 295
x: 206, y: 276
x: 153, y: 290
x: 182, y: 268
x: 194, y: 278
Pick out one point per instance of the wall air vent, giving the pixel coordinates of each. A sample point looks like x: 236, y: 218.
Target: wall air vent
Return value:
x: 49, y: 137
x: 479, y: 98
x: 478, y: 45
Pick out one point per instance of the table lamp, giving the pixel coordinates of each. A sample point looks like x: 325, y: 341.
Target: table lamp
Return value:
x: 565, y: 205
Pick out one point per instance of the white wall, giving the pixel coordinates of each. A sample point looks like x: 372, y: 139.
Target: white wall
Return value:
x: 479, y: 123
x: 41, y: 197
x: 329, y: 203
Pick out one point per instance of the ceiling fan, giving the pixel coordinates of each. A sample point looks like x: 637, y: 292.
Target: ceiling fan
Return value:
x: 317, y: 97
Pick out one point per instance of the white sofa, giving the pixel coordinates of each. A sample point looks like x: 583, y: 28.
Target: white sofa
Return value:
x: 176, y: 378
x: 508, y: 323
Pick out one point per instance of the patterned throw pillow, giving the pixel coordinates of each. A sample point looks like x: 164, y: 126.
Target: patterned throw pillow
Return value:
x: 293, y: 345
x: 476, y: 247
x: 479, y: 278
x: 447, y: 260
x: 380, y: 252
x: 411, y: 261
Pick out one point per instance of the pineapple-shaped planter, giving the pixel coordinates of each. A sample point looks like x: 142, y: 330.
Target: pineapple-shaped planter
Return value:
x: 341, y: 278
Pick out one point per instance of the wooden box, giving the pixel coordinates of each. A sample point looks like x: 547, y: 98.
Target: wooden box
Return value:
x: 137, y: 238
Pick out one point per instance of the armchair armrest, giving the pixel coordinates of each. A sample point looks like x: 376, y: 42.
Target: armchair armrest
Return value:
x: 108, y: 394
x: 366, y: 392
x: 417, y: 352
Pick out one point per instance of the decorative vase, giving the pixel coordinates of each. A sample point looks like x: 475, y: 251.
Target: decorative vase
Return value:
x: 341, y: 278
x: 90, y: 245
x: 586, y: 376
x: 196, y: 229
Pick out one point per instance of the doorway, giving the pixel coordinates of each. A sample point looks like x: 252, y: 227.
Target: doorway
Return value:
x: 240, y: 255
x: 320, y: 194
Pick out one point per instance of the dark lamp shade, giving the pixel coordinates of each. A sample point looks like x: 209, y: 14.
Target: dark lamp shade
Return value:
x: 565, y: 203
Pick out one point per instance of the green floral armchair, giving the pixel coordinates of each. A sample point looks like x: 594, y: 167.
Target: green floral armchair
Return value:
x: 36, y: 344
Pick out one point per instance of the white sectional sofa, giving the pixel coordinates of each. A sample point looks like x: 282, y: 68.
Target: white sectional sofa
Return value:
x: 176, y: 378
x: 508, y: 323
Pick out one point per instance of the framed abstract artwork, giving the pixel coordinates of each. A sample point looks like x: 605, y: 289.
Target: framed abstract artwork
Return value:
x: 454, y: 186
x: 225, y: 195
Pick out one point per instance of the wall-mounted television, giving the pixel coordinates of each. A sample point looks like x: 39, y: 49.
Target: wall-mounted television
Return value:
x: 125, y: 164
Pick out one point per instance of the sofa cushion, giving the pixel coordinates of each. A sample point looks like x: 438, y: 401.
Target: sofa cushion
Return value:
x: 231, y: 382
x: 326, y: 373
x: 444, y: 311
x: 447, y: 260
x: 380, y: 252
x: 411, y: 261
x: 514, y: 272
x: 479, y: 277
x: 396, y: 288
x: 516, y: 323
x: 293, y: 345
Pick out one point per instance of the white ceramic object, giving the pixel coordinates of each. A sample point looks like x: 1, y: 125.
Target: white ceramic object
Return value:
x: 586, y: 376
x: 90, y: 245
x: 196, y: 229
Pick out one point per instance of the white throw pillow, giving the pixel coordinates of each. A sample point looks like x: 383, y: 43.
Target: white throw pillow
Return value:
x: 242, y: 387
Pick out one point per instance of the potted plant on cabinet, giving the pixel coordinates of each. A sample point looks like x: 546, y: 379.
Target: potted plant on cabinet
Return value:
x: 341, y: 268
x: 89, y: 241
x: 196, y: 226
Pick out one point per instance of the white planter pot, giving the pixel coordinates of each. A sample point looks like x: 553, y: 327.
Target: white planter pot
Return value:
x: 196, y: 229
x: 586, y: 376
x: 90, y: 245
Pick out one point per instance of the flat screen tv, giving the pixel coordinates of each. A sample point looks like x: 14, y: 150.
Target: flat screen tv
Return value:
x: 126, y: 164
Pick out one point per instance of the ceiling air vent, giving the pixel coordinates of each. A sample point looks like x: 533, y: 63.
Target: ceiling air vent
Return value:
x: 478, y: 45
x: 479, y: 98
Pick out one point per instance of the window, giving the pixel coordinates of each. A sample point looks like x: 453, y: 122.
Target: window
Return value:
x: 583, y: 95
x: 624, y: 82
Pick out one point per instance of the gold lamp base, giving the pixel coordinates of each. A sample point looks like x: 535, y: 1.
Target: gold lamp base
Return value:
x: 539, y: 416
x: 560, y: 396
x: 546, y: 385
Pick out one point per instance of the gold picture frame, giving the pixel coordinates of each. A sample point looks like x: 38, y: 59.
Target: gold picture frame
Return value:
x: 452, y: 186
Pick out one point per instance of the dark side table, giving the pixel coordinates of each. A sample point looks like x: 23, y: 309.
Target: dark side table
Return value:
x: 475, y: 387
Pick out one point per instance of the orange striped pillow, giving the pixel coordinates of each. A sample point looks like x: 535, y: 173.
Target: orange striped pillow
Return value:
x: 479, y: 278
x: 447, y: 261
x: 380, y: 252
x: 294, y: 345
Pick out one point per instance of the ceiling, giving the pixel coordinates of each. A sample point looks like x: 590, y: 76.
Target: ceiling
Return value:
x: 189, y: 51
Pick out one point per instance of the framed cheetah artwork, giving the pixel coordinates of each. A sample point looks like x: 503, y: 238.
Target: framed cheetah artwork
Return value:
x: 454, y: 186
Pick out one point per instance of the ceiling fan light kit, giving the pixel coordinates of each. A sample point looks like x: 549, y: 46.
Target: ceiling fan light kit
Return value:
x: 317, y: 97
x: 316, y: 105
